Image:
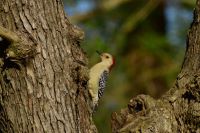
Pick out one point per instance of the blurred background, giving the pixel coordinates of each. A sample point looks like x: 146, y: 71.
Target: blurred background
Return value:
x: 147, y: 39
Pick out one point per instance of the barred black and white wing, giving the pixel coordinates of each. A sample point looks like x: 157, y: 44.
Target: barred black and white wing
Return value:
x: 102, y: 83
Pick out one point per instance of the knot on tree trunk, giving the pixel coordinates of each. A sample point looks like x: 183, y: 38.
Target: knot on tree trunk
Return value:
x: 15, y: 49
x: 76, y: 34
x: 143, y: 114
x: 140, y: 104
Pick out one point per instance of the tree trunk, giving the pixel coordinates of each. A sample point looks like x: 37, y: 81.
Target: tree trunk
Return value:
x: 43, y: 70
x: 179, y: 109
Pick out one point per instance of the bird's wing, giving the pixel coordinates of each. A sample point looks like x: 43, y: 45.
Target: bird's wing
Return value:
x: 102, y: 83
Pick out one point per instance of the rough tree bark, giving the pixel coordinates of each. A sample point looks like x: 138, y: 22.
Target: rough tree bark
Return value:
x: 179, y: 109
x: 43, y: 70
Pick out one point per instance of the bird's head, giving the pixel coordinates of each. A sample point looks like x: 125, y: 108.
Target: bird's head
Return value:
x: 108, y: 59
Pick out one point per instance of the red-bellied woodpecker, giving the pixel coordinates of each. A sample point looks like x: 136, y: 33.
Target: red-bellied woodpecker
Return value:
x: 98, y: 76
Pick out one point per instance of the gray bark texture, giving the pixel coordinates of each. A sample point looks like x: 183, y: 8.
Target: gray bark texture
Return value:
x: 43, y: 79
x: 178, y: 111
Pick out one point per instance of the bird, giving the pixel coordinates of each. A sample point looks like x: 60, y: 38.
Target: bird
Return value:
x: 98, y: 76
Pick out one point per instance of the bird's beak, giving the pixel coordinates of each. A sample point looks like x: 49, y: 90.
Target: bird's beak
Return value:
x: 99, y: 53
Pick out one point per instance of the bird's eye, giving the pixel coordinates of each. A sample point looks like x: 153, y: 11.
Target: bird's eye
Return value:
x: 107, y: 57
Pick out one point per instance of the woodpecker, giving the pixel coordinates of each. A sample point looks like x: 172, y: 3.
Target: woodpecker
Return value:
x: 98, y: 77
